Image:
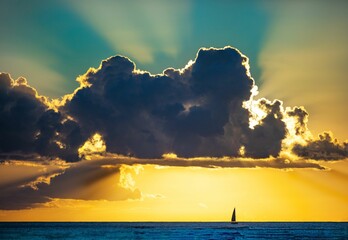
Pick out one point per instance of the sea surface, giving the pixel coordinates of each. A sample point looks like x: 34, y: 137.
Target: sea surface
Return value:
x: 174, y: 230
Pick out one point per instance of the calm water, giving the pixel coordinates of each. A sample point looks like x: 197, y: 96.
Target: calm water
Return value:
x: 195, y: 230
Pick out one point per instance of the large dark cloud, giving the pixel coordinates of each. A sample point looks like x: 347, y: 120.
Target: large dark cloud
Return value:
x: 195, y: 111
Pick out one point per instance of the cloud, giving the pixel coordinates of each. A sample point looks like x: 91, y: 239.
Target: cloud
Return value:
x: 20, y: 111
x: 85, y: 180
x: 20, y: 179
x: 266, y: 138
x: 28, y: 125
x: 106, y: 177
x: 87, y: 145
x: 210, y: 162
x: 194, y: 111
x: 323, y: 148
x: 206, y: 109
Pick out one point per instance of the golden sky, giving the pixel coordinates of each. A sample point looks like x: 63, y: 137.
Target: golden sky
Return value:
x: 200, y: 194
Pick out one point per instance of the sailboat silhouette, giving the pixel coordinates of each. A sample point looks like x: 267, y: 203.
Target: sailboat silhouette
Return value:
x: 233, y: 218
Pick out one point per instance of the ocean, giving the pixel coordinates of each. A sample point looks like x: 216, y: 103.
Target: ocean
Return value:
x: 174, y: 230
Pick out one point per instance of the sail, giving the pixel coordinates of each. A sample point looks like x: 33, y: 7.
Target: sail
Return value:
x: 233, y: 219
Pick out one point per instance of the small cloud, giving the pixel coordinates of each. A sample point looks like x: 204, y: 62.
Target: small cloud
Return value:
x: 169, y: 156
x: 94, y: 145
x: 324, y: 148
x: 153, y: 196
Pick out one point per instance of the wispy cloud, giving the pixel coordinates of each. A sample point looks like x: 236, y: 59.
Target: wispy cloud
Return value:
x: 85, y: 180
x: 106, y: 177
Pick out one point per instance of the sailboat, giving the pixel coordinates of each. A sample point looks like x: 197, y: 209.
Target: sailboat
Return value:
x: 233, y: 218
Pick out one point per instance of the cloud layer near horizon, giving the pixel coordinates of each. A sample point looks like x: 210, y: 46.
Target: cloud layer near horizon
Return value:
x: 85, y: 180
x: 201, y: 113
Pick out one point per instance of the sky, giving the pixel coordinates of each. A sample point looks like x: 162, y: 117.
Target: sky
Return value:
x: 173, y: 110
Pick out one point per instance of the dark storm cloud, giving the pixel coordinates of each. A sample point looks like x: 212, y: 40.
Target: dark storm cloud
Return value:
x: 28, y: 126
x: 195, y: 111
x: 324, y: 148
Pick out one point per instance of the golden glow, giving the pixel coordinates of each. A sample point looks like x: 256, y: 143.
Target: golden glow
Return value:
x: 242, y: 151
x: 60, y: 144
x: 41, y: 179
x: 292, y: 136
x: 197, y: 194
x: 169, y: 156
x: 256, y: 112
x: 94, y: 145
x: 126, y: 176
